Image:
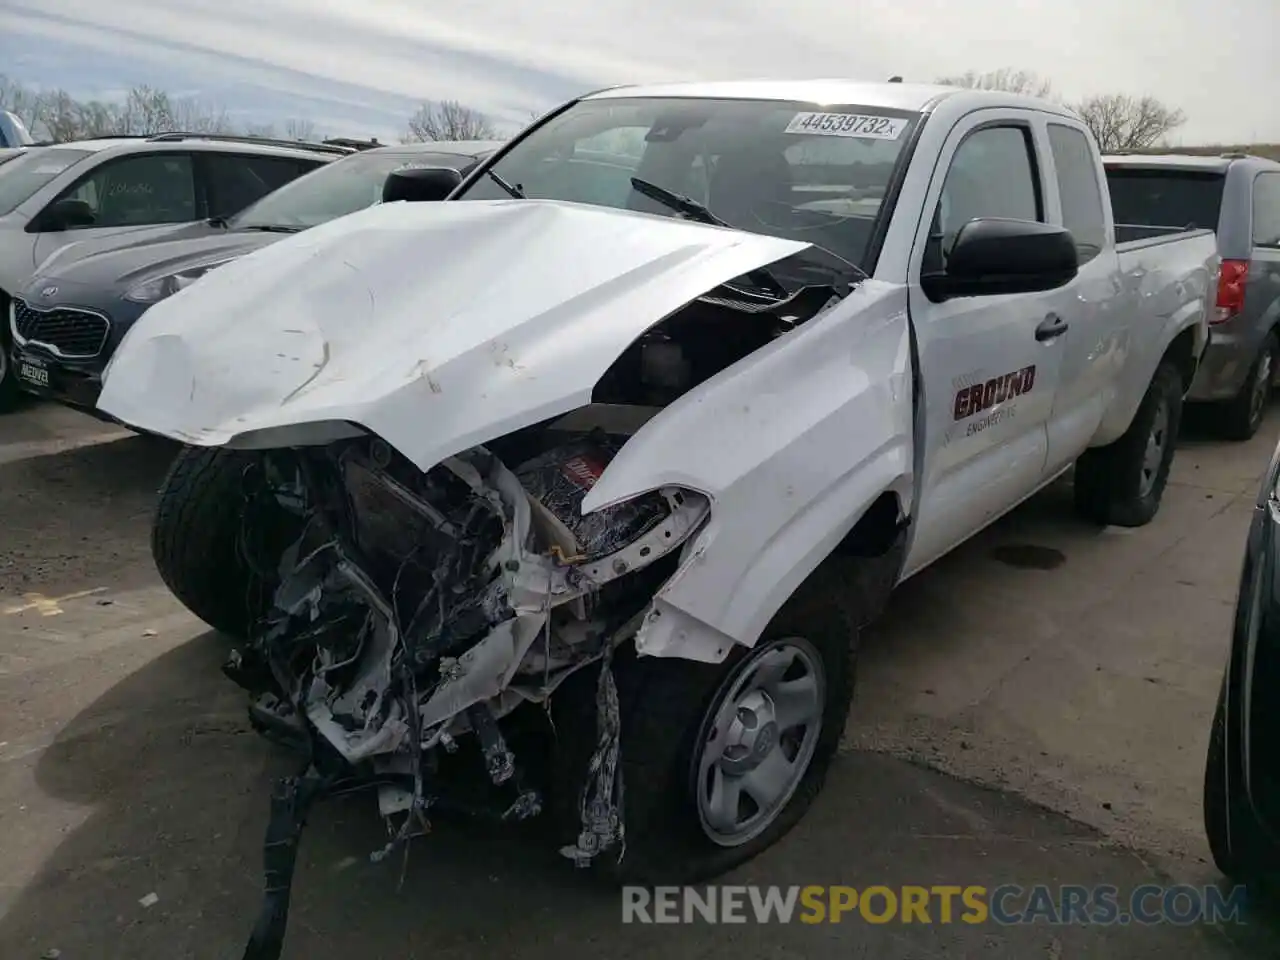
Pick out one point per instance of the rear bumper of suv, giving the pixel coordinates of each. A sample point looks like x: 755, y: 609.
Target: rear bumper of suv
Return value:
x: 1223, y: 369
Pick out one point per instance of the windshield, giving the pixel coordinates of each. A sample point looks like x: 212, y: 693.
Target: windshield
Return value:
x: 792, y: 170
x: 21, y: 177
x: 334, y: 190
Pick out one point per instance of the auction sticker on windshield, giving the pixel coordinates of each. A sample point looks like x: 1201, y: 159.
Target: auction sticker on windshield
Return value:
x: 847, y: 125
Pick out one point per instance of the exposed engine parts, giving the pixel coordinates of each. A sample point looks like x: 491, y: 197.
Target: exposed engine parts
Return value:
x: 416, y: 611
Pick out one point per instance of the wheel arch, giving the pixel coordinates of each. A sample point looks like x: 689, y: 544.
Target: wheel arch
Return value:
x: 869, y: 546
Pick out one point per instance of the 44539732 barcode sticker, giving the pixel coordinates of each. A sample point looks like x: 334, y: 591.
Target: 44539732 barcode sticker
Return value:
x: 847, y: 125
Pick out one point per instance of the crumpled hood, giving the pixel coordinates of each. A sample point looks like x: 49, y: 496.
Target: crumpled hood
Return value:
x: 436, y: 326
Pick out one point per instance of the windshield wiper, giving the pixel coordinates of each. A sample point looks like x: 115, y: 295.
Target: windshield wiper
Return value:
x: 272, y: 228
x: 512, y: 189
x: 701, y: 212
x: 677, y: 202
x: 220, y: 222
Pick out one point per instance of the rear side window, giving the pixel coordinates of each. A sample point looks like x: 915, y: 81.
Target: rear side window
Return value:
x: 1082, y: 211
x: 138, y: 190
x: 1167, y: 200
x: 236, y: 180
x: 1266, y: 210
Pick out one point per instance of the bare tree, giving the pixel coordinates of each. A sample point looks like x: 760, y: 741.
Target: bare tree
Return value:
x: 260, y: 130
x: 1124, y: 123
x: 1007, y: 79
x: 296, y: 129
x: 21, y: 101
x: 448, y: 120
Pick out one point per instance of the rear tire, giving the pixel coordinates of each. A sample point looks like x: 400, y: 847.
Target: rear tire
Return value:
x: 196, y: 540
x: 1123, y: 482
x: 667, y: 711
x: 1242, y: 416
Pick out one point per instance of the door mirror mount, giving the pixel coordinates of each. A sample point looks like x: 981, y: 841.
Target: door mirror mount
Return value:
x: 992, y: 256
x: 420, y: 184
x: 64, y: 214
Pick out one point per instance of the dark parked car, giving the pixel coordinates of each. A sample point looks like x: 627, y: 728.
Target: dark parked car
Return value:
x: 69, y: 319
x: 1242, y: 772
x: 1238, y: 197
x: 68, y: 199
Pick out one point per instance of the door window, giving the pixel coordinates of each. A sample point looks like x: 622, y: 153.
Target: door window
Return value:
x: 992, y: 174
x: 138, y: 190
x: 1082, y: 211
x: 1266, y: 210
x: 235, y: 180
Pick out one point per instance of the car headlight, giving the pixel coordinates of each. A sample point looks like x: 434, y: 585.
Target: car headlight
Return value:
x: 158, y: 288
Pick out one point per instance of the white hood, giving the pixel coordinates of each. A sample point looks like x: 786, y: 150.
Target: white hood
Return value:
x: 436, y: 326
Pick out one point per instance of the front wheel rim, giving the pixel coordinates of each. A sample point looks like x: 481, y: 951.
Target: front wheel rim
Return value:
x: 758, y: 739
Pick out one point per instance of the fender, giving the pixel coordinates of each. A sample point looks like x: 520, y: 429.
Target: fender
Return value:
x: 1178, y: 303
x: 792, y: 444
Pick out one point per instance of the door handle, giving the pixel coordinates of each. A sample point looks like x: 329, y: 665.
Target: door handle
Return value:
x: 1050, y: 328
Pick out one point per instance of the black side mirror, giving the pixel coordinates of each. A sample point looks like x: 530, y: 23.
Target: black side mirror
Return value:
x: 67, y: 215
x: 994, y: 256
x: 420, y: 183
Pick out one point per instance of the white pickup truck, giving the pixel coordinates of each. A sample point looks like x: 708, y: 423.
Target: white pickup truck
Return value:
x: 584, y: 435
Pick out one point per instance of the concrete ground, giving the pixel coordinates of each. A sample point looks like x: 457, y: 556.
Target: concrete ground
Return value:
x: 1033, y: 709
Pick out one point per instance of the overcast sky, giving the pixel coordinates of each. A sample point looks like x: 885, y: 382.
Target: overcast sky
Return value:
x: 358, y: 67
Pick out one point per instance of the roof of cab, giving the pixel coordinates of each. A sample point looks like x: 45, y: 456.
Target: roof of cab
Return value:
x: 918, y: 97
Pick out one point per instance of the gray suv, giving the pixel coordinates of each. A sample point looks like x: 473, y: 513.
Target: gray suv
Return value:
x: 1238, y: 196
x: 96, y: 193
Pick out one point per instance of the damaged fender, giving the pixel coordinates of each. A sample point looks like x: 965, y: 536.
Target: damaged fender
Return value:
x: 792, y: 445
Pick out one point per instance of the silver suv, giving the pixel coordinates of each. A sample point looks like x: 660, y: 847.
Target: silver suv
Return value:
x: 128, y: 189
x: 1237, y: 196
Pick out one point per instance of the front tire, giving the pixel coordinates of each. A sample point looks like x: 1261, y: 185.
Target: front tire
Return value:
x: 692, y: 734
x: 1123, y: 482
x: 1240, y: 846
x: 197, y: 539
x: 1243, y: 415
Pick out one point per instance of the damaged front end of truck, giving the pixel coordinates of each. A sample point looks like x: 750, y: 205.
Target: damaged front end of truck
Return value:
x: 441, y: 579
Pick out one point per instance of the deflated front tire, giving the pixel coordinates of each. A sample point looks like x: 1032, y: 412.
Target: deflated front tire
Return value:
x: 215, y: 558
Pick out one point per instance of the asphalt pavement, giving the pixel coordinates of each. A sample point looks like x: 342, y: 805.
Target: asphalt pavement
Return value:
x: 1033, y: 710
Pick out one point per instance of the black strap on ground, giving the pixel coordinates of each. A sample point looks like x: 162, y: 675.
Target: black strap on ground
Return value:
x: 291, y: 800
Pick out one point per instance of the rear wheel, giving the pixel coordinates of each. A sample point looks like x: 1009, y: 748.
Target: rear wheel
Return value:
x: 1123, y: 482
x: 199, y: 544
x: 1242, y: 416
x: 719, y: 761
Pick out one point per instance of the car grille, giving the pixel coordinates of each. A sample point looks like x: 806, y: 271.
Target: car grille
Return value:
x: 69, y: 332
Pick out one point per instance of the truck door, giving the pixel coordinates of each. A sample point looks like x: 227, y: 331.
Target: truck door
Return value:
x: 989, y: 365
x: 1092, y: 359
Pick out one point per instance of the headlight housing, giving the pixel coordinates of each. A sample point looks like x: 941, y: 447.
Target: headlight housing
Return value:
x: 158, y: 288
